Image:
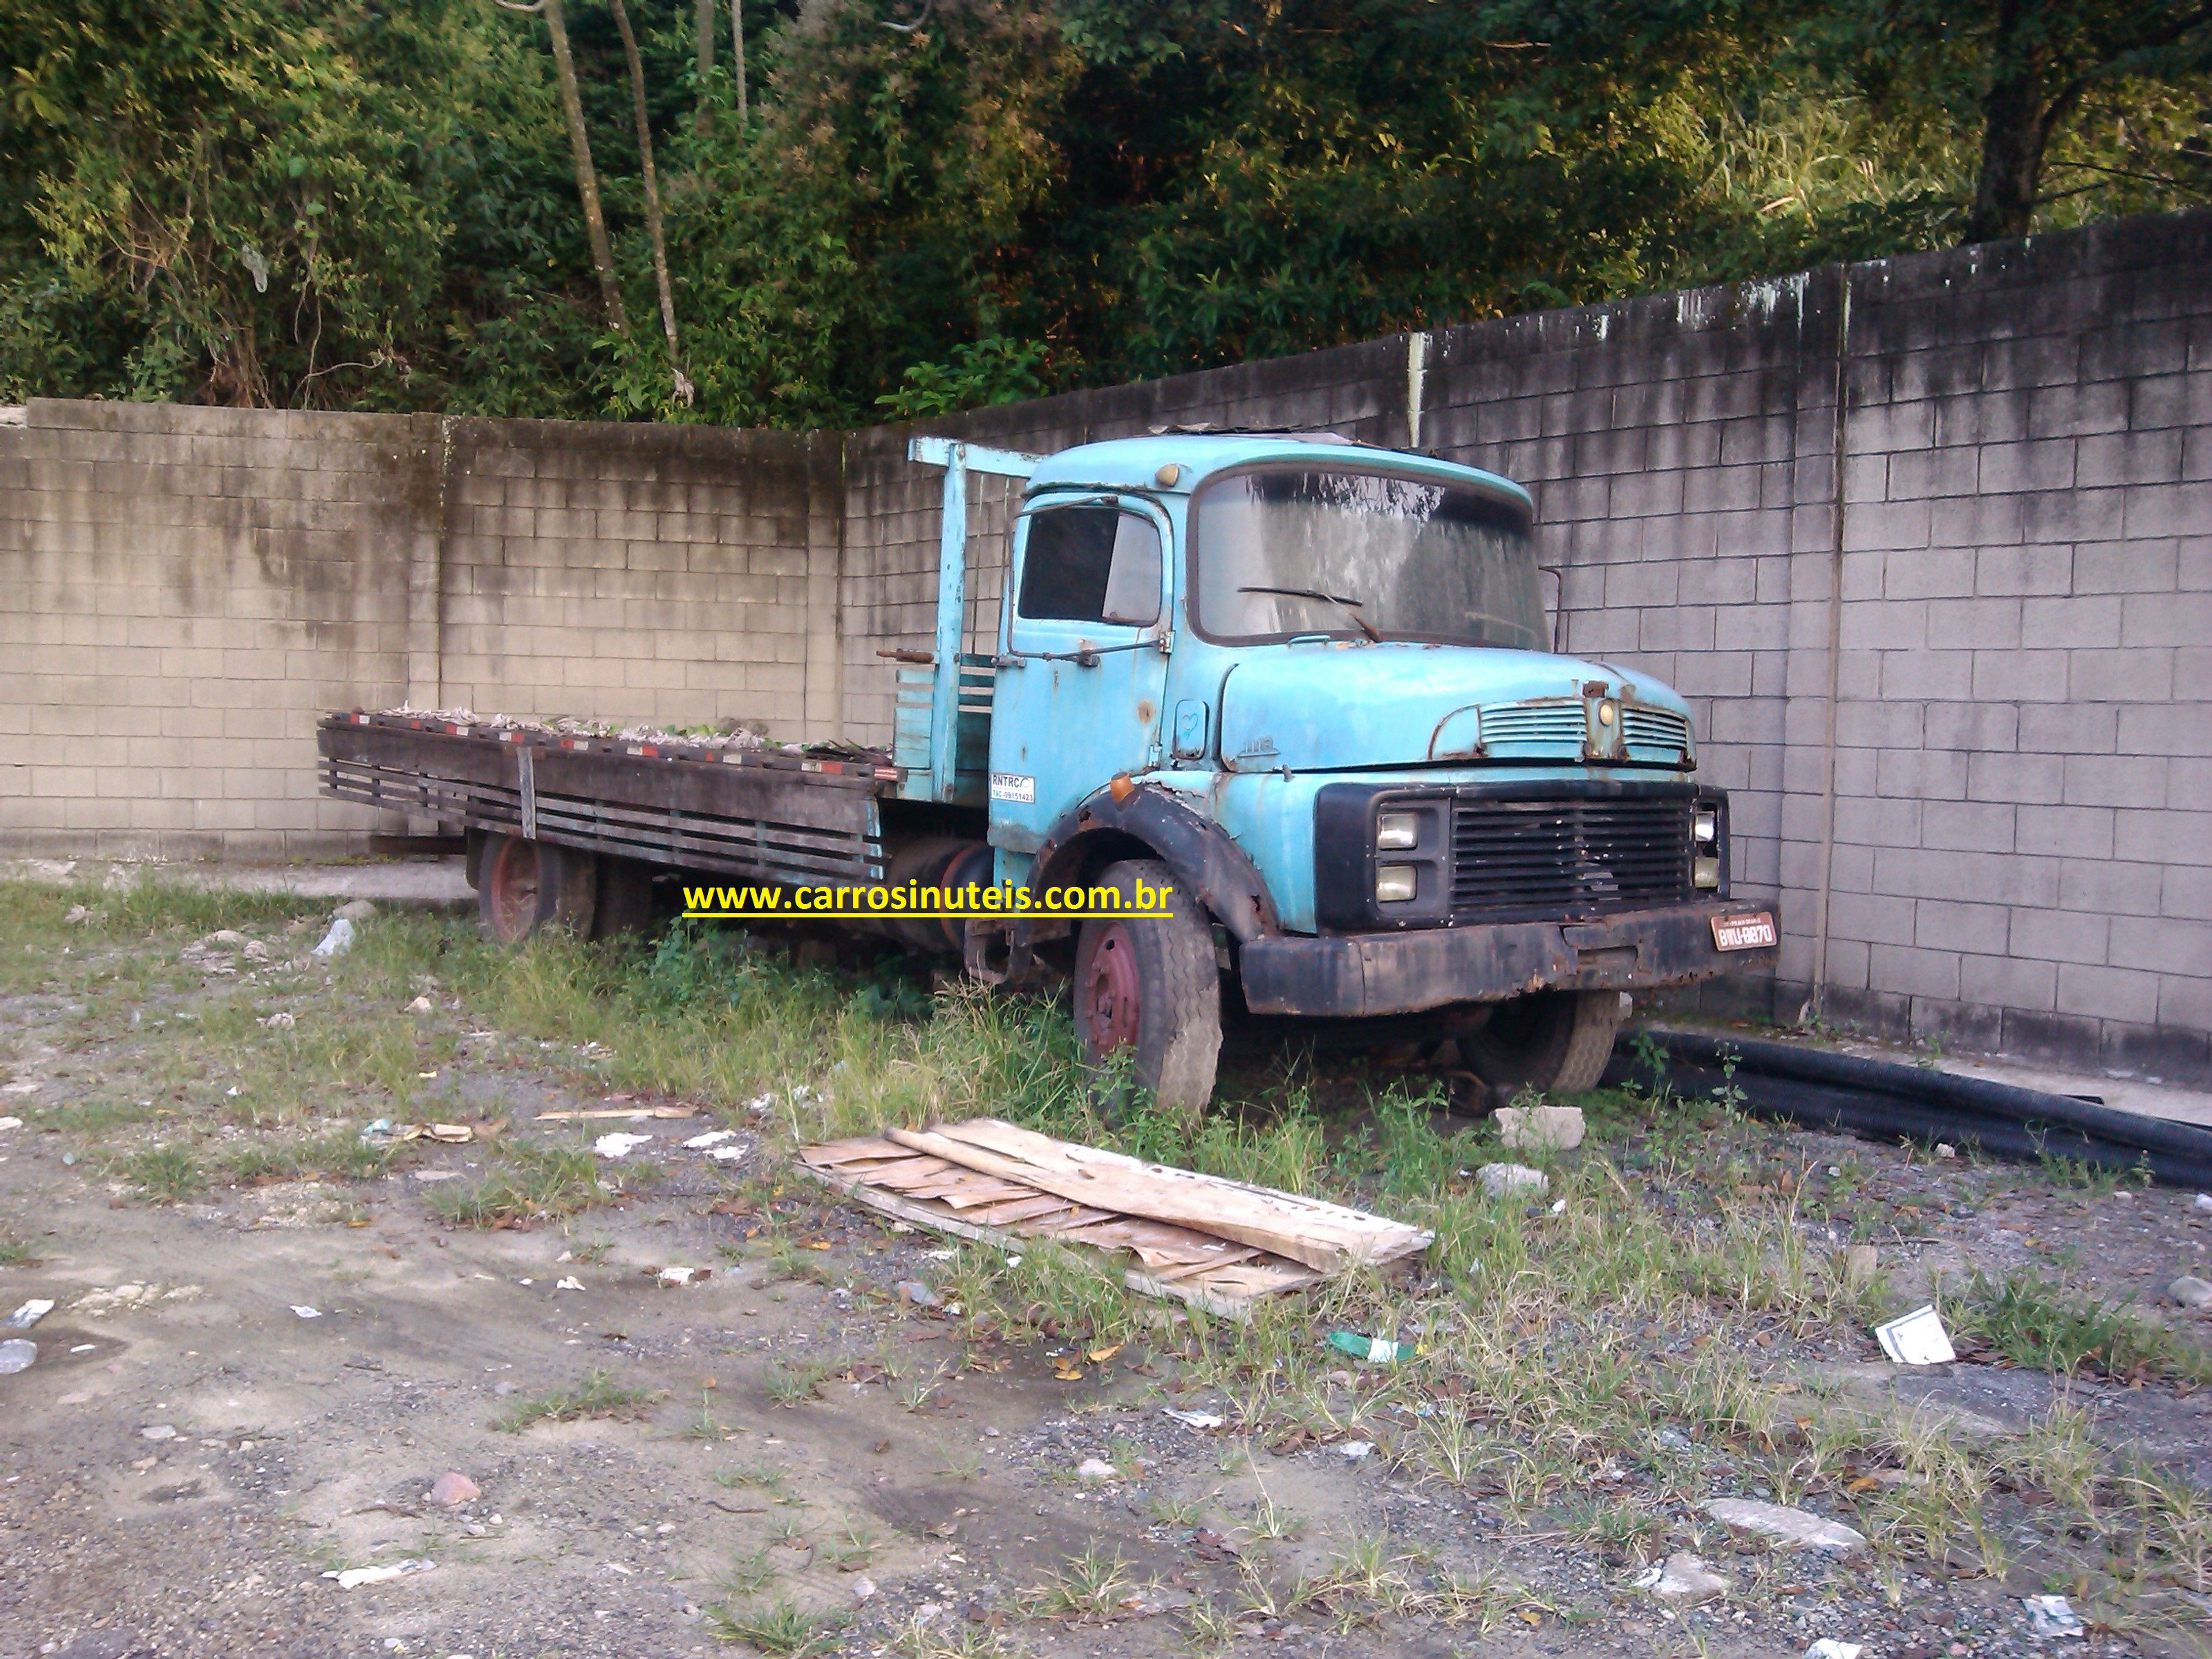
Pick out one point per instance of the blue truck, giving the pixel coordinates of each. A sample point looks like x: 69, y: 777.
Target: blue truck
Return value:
x: 1307, y: 683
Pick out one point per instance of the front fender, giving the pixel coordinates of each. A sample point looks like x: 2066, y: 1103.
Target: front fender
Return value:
x: 1206, y: 861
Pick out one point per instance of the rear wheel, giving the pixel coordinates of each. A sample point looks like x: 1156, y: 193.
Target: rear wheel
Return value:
x: 1149, y: 985
x: 524, y: 885
x: 1553, y: 1042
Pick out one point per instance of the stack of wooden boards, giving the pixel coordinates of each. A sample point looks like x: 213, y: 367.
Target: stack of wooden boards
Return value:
x: 1215, y: 1243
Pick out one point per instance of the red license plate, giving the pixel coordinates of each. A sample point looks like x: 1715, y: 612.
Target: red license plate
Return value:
x: 1748, y: 932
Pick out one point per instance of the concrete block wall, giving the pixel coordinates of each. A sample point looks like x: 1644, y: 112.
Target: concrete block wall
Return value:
x: 1984, y: 814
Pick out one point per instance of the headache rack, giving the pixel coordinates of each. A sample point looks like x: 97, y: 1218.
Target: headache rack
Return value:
x: 765, y: 813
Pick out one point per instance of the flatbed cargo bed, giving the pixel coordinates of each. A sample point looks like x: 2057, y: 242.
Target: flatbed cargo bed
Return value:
x: 765, y: 813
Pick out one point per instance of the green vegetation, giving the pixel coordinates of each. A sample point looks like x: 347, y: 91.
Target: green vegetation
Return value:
x: 917, y: 208
x: 781, y: 1629
x: 597, y: 1394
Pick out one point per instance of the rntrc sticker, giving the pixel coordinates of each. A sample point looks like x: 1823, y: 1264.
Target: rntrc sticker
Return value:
x: 1018, y: 787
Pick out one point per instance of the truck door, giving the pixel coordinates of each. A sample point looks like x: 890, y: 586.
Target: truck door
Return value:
x: 1078, y: 697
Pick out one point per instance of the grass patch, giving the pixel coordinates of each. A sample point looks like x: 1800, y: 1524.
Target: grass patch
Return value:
x: 172, y: 1173
x: 337, y: 1155
x: 17, y: 1252
x: 525, y: 1184
x: 2032, y: 1321
x: 781, y: 1628
x: 596, y: 1394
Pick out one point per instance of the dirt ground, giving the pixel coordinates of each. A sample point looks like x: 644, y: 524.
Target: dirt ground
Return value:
x: 258, y: 1368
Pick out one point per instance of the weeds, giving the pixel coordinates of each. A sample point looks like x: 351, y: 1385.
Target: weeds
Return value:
x: 525, y: 1184
x: 597, y: 1394
x: 2033, y: 1322
x: 782, y: 1629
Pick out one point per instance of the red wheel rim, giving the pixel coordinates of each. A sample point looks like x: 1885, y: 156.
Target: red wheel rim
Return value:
x: 1110, y: 1002
x: 512, y: 883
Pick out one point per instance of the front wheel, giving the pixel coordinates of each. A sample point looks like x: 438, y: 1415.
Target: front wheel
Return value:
x: 1150, y: 985
x: 1553, y: 1042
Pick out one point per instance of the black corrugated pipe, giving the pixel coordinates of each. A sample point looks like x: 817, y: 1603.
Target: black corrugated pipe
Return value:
x: 1882, y: 1101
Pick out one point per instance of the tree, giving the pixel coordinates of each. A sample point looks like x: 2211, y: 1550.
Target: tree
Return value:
x: 2024, y: 67
x: 654, y: 224
x: 579, y: 148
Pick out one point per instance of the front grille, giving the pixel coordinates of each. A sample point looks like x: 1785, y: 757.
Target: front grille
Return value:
x: 1568, y: 856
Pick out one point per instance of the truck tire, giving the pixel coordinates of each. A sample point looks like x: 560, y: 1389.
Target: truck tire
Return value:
x: 1151, y: 984
x: 525, y: 886
x: 1556, y: 1043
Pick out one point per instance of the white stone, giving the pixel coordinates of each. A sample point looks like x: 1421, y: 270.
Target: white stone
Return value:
x: 1779, y: 1524
x: 2191, y: 1291
x: 1540, y: 1128
x: 1684, y: 1579
x: 1092, y: 1471
x: 1499, y: 1179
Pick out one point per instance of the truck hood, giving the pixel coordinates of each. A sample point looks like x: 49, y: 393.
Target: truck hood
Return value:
x: 1336, y: 707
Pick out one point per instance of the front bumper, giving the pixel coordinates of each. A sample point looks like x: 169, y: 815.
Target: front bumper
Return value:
x: 1351, y: 976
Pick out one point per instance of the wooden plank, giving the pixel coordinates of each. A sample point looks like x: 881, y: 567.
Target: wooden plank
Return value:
x: 1325, y: 1237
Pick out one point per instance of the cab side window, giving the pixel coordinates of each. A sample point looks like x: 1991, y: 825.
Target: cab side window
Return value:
x: 1091, y: 564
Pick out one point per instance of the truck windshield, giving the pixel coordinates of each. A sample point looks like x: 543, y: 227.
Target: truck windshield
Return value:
x: 1289, y: 551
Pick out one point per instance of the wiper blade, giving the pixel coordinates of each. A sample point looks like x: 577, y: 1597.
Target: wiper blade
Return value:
x: 1351, y: 605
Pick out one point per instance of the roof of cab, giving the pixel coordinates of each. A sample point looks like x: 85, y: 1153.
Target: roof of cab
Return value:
x: 1133, y: 463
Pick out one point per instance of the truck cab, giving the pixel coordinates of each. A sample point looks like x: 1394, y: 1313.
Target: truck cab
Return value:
x: 1309, y: 683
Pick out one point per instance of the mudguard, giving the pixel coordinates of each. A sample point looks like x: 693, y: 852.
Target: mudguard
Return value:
x: 1207, y: 862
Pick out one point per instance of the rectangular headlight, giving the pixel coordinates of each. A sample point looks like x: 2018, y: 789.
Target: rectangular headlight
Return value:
x: 1705, y: 826
x: 1394, y: 884
x: 1396, y: 832
x: 1704, y: 871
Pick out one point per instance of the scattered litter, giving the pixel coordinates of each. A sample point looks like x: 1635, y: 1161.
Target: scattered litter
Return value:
x: 377, y: 1129
x: 712, y: 1138
x: 1540, y: 1128
x: 2191, y: 1291
x: 1828, y: 1648
x: 1216, y: 1243
x: 1558, y: 1206
x: 1682, y: 1577
x: 281, y: 1020
x: 1779, y: 1524
x: 26, y: 1316
x: 452, y: 1134
x: 939, y: 1255
x: 1499, y: 1179
x: 1093, y: 1470
x: 337, y: 942
x: 75, y: 913
x: 452, y: 1488
x: 1376, y: 1350
x: 915, y: 1294
x: 433, y: 1174
x: 1353, y: 1451
x: 684, y: 1275
x: 306, y: 1312
x: 726, y: 1154
x: 11, y: 1122
x: 17, y: 1354
x: 618, y: 1146
x: 2204, y: 1201
x: 1945, y: 1149
x: 421, y: 1006
x: 614, y: 1113
x: 1916, y: 1339
x: 2052, y: 1615
x: 571, y: 1282
x: 1199, y: 1421
x: 354, y: 1578
x: 863, y: 1590
x: 158, y: 1431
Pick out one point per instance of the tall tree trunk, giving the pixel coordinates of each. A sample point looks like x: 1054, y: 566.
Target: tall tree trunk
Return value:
x: 703, y: 31
x: 653, y: 221
x: 738, y: 48
x: 2013, y: 134
x: 587, y: 179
